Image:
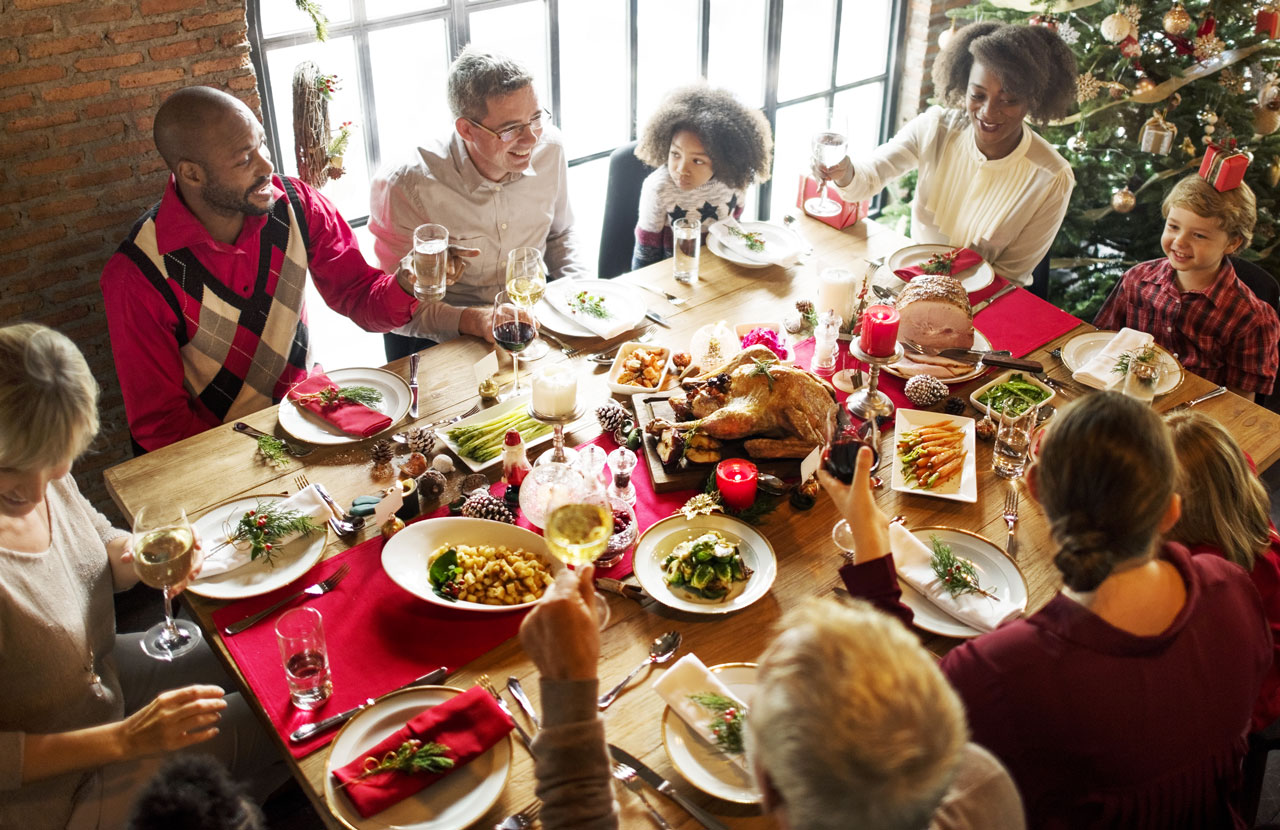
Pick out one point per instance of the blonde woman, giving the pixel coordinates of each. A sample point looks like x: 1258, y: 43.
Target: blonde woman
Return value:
x: 84, y: 714
x: 1226, y: 513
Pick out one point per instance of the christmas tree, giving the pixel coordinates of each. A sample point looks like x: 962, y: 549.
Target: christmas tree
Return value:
x: 1159, y: 81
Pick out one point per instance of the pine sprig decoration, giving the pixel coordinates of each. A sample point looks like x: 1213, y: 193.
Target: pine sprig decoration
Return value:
x: 266, y: 524
x: 272, y: 450
x: 588, y: 303
x: 366, y: 395
x: 411, y: 757
x: 318, y: 18
x: 752, y: 239
x: 957, y: 575
x: 764, y: 366
x: 726, y: 726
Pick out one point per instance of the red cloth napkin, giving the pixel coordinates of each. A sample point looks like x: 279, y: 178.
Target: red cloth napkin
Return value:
x: 348, y: 416
x: 468, y: 725
x: 380, y: 637
x: 965, y: 259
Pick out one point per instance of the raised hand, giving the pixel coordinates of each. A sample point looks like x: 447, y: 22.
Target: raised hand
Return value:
x: 868, y: 524
x: 561, y: 634
x: 174, y: 719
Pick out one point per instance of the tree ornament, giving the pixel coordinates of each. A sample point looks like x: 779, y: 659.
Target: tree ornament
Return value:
x: 1115, y: 27
x: 1157, y: 135
x: 611, y: 416
x: 1267, y: 21
x: 1266, y: 119
x: 382, y: 451
x: 1068, y: 33
x: 442, y: 463
x: 1078, y: 143
x: 1188, y: 146
x: 482, y: 505
x: 945, y: 37
x: 925, y: 390
x: 1177, y: 21
x: 1143, y: 86
x: 1273, y: 172
x: 1207, y: 116
x: 431, y: 485
x: 1046, y: 20
x: 1231, y: 82
x: 1207, y: 44
x: 1123, y: 200
x: 1087, y: 87
x: 1130, y: 48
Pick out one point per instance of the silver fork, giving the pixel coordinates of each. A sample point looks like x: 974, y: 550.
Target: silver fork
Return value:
x: 340, y: 526
x: 322, y: 587
x: 565, y: 348
x: 1011, y: 519
x: 483, y: 682
x: 522, y: 820
x: 671, y: 298
x: 627, y: 776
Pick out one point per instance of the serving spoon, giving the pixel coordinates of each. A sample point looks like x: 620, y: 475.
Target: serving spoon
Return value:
x: 660, y: 651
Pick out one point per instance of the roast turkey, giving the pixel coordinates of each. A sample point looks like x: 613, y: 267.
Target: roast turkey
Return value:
x: 935, y: 313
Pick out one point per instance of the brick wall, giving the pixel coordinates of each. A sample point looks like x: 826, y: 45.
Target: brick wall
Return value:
x: 80, y: 83
x: 926, y: 19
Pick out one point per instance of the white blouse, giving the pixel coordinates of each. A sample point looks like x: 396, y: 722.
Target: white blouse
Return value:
x: 1006, y: 209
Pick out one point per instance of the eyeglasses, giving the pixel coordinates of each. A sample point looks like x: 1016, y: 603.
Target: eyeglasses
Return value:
x: 509, y: 134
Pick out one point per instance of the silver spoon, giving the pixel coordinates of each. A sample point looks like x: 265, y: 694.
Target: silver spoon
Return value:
x: 1045, y: 413
x: 660, y: 651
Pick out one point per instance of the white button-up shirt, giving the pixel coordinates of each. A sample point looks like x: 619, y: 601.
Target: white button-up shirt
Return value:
x: 441, y: 184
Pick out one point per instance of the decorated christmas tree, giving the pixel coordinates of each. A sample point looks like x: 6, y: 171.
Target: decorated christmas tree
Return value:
x: 1162, y: 82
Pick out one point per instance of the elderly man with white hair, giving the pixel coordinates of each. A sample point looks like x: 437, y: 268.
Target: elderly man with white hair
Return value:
x: 852, y: 725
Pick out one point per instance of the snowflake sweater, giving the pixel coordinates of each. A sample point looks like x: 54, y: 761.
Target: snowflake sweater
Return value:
x: 662, y: 202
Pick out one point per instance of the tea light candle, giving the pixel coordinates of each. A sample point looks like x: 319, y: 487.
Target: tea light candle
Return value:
x: 736, y: 479
x: 837, y: 292
x: 880, y: 331
x: 555, y: 391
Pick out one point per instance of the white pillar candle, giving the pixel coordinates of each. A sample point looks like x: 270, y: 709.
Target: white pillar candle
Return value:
x: 837, y: 291
x: 555, y: 391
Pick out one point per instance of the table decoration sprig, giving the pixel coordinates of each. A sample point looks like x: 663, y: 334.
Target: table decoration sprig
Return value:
x: 754, y: 240
x: 266, y: 524
x: 941, y: 263
x: 958, y: 575
x: 1146, y: 356
x: 584, y: 302
x: 272, y: 450
x: 411, y: 757
x: 365, y: 395
x: 764, y: 366
x: 726, y: 726
x: 709, y: 500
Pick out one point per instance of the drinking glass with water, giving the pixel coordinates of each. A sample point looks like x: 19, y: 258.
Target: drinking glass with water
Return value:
x: 300, y: 633
x: 430, y: 262
x: 686, y: 237
x: 1013, y: 439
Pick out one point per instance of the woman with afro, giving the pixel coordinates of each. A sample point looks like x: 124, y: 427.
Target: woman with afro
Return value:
x: 708, y: 148
x: 987, y: 180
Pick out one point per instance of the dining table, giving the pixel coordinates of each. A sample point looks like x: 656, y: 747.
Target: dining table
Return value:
x: 220, y: 465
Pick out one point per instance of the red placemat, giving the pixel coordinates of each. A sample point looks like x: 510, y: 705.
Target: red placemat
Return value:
x: 1020, y: 321
x: 379, y: 638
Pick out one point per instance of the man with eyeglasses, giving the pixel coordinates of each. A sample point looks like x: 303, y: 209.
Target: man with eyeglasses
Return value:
x: 499, y: 182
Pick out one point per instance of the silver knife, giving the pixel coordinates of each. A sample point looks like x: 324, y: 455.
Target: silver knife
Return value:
x: 307, y: 730
x: 989, y: 300
x: 663, y: 786
x: 657, y: 318
x: 1005, y: 361
x: 413, y: 384
x: 622, y: 589
x: 517, y: 691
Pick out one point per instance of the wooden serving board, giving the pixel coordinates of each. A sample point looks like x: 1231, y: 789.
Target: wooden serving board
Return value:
x: 650, y: 406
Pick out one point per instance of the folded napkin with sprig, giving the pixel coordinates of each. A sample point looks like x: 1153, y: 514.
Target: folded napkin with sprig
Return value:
x: 948, y: 263
x: 261, y: 531
x: 1100, y: 372
x: 348, y: 408
x: 752, y: 245
x: 708, y: 707
x: 948, y: 581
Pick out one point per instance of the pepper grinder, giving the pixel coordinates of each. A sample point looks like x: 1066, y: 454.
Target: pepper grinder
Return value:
x: 621, y: 462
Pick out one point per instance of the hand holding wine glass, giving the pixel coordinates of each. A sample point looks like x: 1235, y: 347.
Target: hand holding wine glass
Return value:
x: 830, y: 144
x: 164, y: 557
x: 513, y: 330
x: 579, y: 524
x: 864, y: 528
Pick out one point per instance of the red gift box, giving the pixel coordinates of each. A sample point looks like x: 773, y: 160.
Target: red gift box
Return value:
x: 850, y: 212
x: 1223, y: 167
x: 1268, y: 22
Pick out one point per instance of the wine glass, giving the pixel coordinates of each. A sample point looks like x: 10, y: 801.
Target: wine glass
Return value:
x: 526, y: 283
x: 162, y: 557
x: 579, y: 526
x: 840, y: 458
x: 830, y: 145
x: 513, y: 330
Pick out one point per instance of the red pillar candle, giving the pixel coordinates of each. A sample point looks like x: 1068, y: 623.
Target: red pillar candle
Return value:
x: 736, y: 479
x: 880, y: 331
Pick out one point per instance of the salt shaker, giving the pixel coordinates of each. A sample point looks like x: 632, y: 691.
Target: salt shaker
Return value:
x: 622, y: 461
x: 591, y: 463
x: 825, y: 339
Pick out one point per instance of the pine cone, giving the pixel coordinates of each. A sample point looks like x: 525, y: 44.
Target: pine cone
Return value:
x: 611, y: 416
x: 485, y: 506
x: 954, y: 406
x: 431, y: 485
x: 420, y: 440
x: 804, y: 306
x: 382, y: 451
x: 925, y: 390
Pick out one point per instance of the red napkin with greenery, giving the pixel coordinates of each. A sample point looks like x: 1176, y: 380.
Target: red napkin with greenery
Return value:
x: 465, y: 726
x: 955, y: 261
x: 348, y: 416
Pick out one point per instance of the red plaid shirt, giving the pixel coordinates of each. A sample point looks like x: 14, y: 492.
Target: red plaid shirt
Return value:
x: 1223, y: 333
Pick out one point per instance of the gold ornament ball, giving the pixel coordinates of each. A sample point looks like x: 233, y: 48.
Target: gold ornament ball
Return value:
x: 1273, y: 173
x: 1116, y: 27
x: 1210, y: 129
x: 1123, y: 201
x: 1266, y: 120
x: 1177, y: 21
x: 1144, y: 86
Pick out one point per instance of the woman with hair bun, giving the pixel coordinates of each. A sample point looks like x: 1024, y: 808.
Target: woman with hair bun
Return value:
x: 987, y: 180
x: 1124, y: 702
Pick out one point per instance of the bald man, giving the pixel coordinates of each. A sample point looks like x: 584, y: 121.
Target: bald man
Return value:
x: 204, y: 299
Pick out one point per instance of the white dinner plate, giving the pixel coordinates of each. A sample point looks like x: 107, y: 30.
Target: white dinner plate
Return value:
x: 782, y: 242
x: 452, y: 803
x: 996, y: 573
x: 510, y: 405
x: 306, y: 426
x: 973, y: 279
x: 701, y: 764
x: 963, y: 487
x: 1080, y: 349
x: 625, y: 301
x: 258, y: 577
x: 659, y: 540
x: 406, y: 557
x: 980, y: 343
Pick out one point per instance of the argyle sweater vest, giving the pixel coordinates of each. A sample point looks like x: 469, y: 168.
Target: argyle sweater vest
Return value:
x: 239, y: 354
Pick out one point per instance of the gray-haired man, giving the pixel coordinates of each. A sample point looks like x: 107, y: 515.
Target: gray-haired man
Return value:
x: 500, y: 181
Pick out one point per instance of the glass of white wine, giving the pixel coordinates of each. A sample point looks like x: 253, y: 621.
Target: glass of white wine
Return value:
x: 526, y: 283
x: 830, y: 144
x: 162, y: 557
x: 579, y: 524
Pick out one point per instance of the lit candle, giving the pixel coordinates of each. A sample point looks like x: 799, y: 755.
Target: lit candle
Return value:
x: 837, y: 292
x: 736, y: 479
x: 555, y: 391
x: 880, y: 331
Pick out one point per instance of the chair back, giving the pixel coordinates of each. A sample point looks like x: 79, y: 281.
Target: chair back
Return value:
x: 621, y: 211
x: 1264, y: 285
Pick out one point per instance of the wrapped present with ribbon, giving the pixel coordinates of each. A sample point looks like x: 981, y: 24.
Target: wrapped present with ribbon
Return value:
x: 1224, y: 166
x: 1267, y: 21
x: 850, y: 212
x: 1157, y: 135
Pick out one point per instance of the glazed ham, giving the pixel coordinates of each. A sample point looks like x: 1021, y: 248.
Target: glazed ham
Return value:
x: 935, y: 313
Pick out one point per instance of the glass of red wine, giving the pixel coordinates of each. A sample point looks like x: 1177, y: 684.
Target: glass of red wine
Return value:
x: 840, y: 458
x: 513, y: 330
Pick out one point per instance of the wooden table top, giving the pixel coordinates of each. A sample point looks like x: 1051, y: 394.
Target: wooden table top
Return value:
x: 219, y: 464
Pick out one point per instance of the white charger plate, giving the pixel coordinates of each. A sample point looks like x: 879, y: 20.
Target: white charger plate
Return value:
x: 292, y: 561
x: 406, y: 557
x: 308, y: 427
x: 783, y: 242
x: 1080, y: 349
x: 995, y: 569
x: 659, y: 540
x: 958, y: 488
x: 980, y: 343
x: 489, y: 414
x: 973, y: 279
x: 452, y: 803
x: 626, y: 301
x: 702, y: 765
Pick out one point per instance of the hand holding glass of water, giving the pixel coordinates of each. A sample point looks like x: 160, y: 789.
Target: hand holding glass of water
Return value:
x: 430, y: 262
x: 163, y: 555
x: 830, y: 145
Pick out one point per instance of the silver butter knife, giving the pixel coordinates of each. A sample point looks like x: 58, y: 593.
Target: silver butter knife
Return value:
x: 989, y: 300
x: 307, y: 730
x: 413, y: 384
x: 517, y: 691
x: 663, y: 786
x: 657, y: 318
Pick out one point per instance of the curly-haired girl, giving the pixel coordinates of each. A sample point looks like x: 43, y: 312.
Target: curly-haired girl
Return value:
x: 708, y: 148
x: 987, y: 180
